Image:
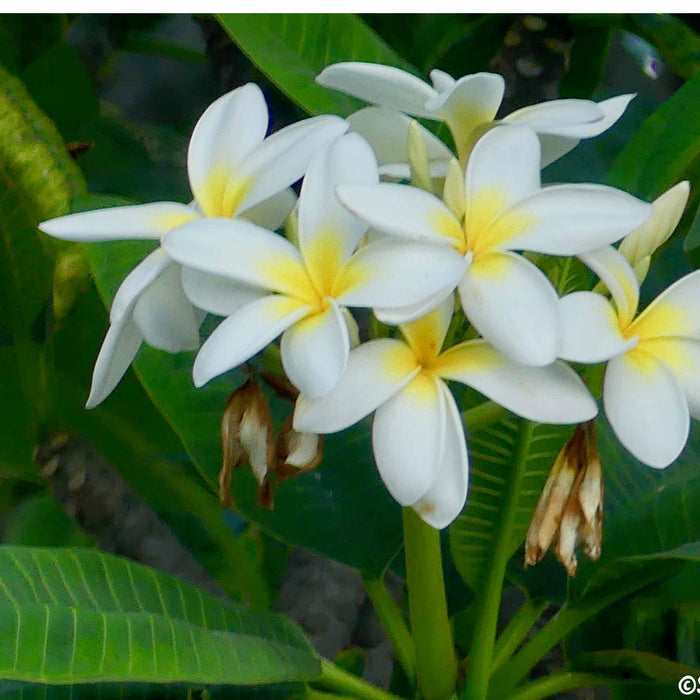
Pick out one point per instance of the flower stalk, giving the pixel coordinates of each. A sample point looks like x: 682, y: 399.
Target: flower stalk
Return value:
x: 436, y: 664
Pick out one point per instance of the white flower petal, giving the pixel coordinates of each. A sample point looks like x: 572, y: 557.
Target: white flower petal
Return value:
x: 380, y: 85
x: 682, y: 357
x: 217, y: 294
x: 243, y: 334
x: 165, y: 316
x: 282, y: 159
x: 675, y: 312
x: 557, y: 117
x: 120, y: 223
x: 328, y: 232
x: 617, y: 275
x: 554, y: 147
x: 408, y: 437
x: 375, y: 372
x: 589, y: 329
x: 406, y: 314
x: 273, y: 212
x: 514, y: 306
x: 315, y: 351
x: 404, y: 211
x: 230, y: 128
x: 441, y: 81
x: 552, y: 394
x: 469, y: 102
x: 646, y: 408
x: 503, y: 167
x: 612, y: 110
x: 134, y: 284
x: 569, y: 219
x: 386, y: 130
x: 394, y: 273
x: 446, y: 497
x: 241, y: 251
x: 118, y: 350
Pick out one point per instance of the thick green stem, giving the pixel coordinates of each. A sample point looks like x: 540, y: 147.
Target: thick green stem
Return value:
x: 336, y: 679
x: 436, y: 664
x: 481, y: 655
x: 557, y: 683
x: 394, y: 625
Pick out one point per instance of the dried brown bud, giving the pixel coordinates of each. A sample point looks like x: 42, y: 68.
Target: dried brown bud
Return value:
x: 247, y: 436
x: 297, y: 452
x: 570, y: 509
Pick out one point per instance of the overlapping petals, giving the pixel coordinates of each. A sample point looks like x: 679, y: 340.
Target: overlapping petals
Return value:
x: 417, y: 436
x: 233, y: 171
x: 469, y: 106
x: 323, y: 274
x: 507, y: 299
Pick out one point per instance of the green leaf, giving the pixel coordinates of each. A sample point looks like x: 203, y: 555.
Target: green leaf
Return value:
x: 341, y: 509
x: 628, y: 663
x: 492, y: 451
x: 648, y: 510
x: 664, y: 150
x: 74, y: 616
x: 677, y: 43
x: 588, y: 57
x: 292, y: 49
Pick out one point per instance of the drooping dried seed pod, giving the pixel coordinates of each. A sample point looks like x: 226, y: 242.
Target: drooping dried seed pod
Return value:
x: 570, y: 509
x: 247, y: 436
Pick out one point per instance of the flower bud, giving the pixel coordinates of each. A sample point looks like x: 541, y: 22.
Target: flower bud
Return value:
x: 570, y: 509
x: 418, y: 158
x: 247, y: 436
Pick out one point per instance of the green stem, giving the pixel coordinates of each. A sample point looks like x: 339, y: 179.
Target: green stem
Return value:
x: 568, y: 619
x: 436, y: 664
x: 311, y: 694
x: 481, y: 655
x: 557, y: 683
x: 483, y: 415
x: 336, y: 679
x: 518, y: 627
x: 394, y: 625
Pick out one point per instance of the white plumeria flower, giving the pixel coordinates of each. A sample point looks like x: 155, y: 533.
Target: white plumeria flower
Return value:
x: 301, y: 292
x: 652, y: 380
x: 468, y: 106
x: 499, y: 208
x: 417, y: 436
x: 233, y: 171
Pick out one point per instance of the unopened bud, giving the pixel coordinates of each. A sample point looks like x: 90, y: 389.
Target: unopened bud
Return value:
x: 570, y: 509
x: 247, y: 436
x: 453, y: 191
x: 297, y: 451
x: 418, y: 158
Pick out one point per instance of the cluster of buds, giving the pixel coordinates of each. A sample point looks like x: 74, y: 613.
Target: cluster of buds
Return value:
x: 570, y: 509
x: 248, y: 438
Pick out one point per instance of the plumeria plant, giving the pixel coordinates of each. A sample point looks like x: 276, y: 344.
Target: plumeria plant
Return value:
x: 360, y: 291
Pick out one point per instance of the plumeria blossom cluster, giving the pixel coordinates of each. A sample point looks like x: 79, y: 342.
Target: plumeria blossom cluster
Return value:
x: 441, y: 247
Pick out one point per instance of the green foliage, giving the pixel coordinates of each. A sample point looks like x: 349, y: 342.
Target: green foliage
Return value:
x: 72, y: 615
x: 492, y: 451
x: 664, y: 150
x: 293, y: 49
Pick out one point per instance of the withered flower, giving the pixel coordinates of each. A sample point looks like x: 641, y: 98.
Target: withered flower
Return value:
x: 247, y: 436
x: 570, y: 508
